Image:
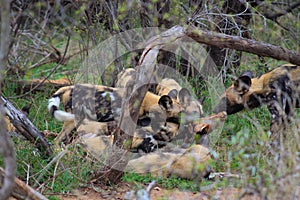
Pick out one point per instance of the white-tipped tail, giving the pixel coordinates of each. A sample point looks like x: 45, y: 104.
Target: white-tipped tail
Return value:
x: 60, y: 115
x: 53, y: 102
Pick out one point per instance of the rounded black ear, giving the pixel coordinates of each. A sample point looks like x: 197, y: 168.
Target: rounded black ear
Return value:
x: 184, y: 96
x: 243, y: 83
x: 203, y: 129
x: 173, y: 94
x: 165, y: 102
x: 144, y: 121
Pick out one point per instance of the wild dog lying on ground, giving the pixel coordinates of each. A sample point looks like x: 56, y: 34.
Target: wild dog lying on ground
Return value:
x: 157, y: 125
x: 192, y: 110
x: 278, y: 89
x: 190, y: 163
x: 102, y: 103
x: 144, y: 139
x: 97, y: 136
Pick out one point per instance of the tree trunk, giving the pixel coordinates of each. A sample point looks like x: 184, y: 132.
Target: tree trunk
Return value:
x: 6, y: 147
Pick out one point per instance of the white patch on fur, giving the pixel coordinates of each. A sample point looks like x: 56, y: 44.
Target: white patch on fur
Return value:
x: 61, y: 115
x: 54, y: 101
x: 89, y: 135
x: 88, y: 113
x: 111, y: 95
x: 117, y: 111
x: 152, y: 140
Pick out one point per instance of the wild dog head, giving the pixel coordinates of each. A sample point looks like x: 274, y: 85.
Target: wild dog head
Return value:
x: 236, y: 96
x: 191, y: 106
x: 125, y: 78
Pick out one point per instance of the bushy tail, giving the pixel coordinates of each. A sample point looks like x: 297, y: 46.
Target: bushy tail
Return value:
x: 53, y: 106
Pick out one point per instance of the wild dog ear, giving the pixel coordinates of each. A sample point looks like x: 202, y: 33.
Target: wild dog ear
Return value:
x: 165, y: 102
x: 144, y: 121
x: 243, y: 83
x: 184, y: 96
x: 202, y: 135
x: 173, y: 94
x: 201, y: 129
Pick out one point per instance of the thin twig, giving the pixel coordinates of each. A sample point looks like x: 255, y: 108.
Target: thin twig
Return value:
x: 47, y: 77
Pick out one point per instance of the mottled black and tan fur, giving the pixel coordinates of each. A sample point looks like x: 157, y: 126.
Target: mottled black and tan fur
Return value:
x: 278, y: 89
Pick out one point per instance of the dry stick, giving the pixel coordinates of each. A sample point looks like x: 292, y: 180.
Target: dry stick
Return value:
x: 241, y: 44
x: 23, y: 191
x: 55, y: 159
x: 51, y: 72
x: 28, y: 85
x: 26, y: 127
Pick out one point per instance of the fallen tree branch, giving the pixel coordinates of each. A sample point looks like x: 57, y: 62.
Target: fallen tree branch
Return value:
x: 22, y: 190
x: 26, y: 127
x: 40, y: 85
x: 242, y: 44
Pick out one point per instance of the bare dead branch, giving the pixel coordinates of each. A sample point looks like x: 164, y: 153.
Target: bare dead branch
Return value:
x: 274, y: 15
x: 26, y: 127
x: 242, y: 44
x: 23, y: 191
x: 52, y: 71
x: 25, y: 86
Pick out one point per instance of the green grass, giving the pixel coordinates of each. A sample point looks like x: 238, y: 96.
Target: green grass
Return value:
x: 240, y: 149
x: 240, y: 145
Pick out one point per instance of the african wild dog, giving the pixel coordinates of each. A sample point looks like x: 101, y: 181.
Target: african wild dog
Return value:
x: 163, y: 131
x: 192, y: 110
x: 102, y: 104
x: 191, y: 163
x: 98, y: 136
x: 125, y: 78
x: 170, y: 87
x: 278, y: 89
x: 98, y: 102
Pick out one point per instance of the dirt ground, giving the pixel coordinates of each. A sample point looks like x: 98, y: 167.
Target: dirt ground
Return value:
x: 104, y: 193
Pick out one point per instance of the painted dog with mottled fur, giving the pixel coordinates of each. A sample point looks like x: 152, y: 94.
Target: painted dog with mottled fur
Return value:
x: 279, y: 89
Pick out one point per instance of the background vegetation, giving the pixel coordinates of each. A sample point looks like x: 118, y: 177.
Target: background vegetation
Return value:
x: 51, y: 38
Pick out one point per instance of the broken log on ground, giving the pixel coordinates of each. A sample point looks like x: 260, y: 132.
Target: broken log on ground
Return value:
x: 40, y: 85
x: 25, y: 127
x: 22, y: 190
